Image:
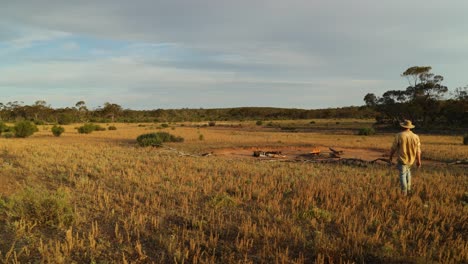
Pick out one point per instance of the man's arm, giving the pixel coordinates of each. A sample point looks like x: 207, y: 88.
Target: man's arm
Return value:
x: 418, y: 154
x: 418, y: 159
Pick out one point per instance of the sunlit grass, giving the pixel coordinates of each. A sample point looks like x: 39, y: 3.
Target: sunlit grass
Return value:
x: 111, y: 201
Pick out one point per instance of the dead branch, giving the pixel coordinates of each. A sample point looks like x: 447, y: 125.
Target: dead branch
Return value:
x: 459, y: 162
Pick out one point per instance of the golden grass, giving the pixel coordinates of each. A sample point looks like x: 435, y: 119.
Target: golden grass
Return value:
x: 144, y: 205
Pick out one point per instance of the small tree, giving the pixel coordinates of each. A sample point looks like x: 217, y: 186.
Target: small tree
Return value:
x: 25, y: 129
x: 57, y: 130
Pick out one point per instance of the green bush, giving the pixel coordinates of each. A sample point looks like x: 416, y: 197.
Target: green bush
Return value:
x: 164, y: 125
x: 112, y: 128
x: 8, y: 134
x: 3, y: 127
x: 465, y: 139
x: 39, y: 122
x: 57, y: 130
x: 25, y: 129
x: 89, y: 128
x: 366, y: 131
x: 86, y: 128
x: 51, y: 209
x: 99, y: 128
x: 157, y: 139
x: 259, y: 123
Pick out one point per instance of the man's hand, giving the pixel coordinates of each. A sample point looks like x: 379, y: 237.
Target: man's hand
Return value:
x: 418, y: 163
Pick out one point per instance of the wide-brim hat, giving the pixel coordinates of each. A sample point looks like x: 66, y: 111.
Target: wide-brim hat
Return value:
x: 407, y: 124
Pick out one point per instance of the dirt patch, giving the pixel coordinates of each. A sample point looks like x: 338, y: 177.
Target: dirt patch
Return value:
x: 303, y: 153
x: 299, y: 153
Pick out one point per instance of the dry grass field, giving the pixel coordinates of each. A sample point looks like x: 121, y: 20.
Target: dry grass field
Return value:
x: 99, y: 198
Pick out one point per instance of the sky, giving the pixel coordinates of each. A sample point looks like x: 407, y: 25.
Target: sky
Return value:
x: 149, y: 54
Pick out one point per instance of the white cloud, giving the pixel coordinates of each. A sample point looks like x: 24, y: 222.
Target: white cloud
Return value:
x: 224, y: 45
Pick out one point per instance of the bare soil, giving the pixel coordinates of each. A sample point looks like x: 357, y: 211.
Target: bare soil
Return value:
x: 303, y: 152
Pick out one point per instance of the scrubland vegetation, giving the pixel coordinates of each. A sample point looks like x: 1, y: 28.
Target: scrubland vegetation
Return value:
x: 101, y: 198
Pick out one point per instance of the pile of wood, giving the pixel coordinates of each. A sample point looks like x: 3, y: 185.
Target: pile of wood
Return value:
x: 268, y: 154
x: 317, y: 156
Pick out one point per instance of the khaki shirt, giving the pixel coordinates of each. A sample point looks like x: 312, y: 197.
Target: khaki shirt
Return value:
x: 406, y: 145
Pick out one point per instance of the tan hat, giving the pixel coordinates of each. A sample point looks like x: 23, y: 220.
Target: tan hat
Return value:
x: 407, y: 124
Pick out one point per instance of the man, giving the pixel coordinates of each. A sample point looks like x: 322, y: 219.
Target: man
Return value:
x: 408, y: 149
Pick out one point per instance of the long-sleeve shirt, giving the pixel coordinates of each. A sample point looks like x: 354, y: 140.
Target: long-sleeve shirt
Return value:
x: 407, y: 146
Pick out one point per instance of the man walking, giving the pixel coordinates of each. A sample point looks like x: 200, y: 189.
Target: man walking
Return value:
x: 408, y: 149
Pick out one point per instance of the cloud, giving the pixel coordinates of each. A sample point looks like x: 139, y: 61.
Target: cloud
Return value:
x: 236, y: 50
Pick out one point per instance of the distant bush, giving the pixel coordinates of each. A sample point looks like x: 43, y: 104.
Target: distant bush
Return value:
x: 366, y: 131
x: 112, y: 128
x: 3, y: 127
x: 25, y: 129
x: 89, y: 128
x: 57, y: 130
x: 201, y: 137
x: 259, y: 123
x: 465, y: 139
x: 39, y: 122
x: 8, y: 134
x: 212, y: 123
x: 157, y: 139
x: 86, y: 128
x: 312, y: 122
x: 164, y: 125
x: 99, y: 128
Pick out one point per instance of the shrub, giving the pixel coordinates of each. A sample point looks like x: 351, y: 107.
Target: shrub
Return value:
x: 366, y: 131
x: 51, y: 209
x: 201, y: 137
x: 8, y: 134
x: 156, y: 139
x: 212, y: 123
x: 25, y: 129
x: 164, y: 125
x: 465, y: 139
x: 86, y: 128
x: 89, y: 128
x: 112, y: 128
x: 259, y: 123
x: 39, y: 122
x: 57, y: 130
x: 99, y: 128
x: 3, y: 127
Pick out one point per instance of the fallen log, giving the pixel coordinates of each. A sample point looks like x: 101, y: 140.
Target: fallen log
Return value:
x: 459, y: 162
x: 268, y: 154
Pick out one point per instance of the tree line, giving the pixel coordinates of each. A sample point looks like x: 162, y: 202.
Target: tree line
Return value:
x: 425, y: 101
x: 40, y: 113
